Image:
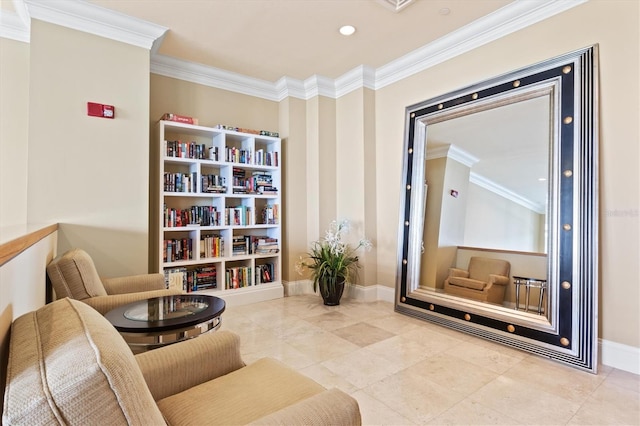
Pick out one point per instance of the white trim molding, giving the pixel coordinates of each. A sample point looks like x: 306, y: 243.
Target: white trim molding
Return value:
x: 490, y: 185
x: 93, y: 19
x: 90, y: 18
x: 370, y: 293
x: 622, y: 357
x: 14, y: 27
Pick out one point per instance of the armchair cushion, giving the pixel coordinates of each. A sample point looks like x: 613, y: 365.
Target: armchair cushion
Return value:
x: 273, y: 387
x: 134, y: 283
x: 468, y: 283
x: 326, y: 408
x: 74, y: 275
x: 215, y: 354
x: 68, y: 365
x: 481, y: 267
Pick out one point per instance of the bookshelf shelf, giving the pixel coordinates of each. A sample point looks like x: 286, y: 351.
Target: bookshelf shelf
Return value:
x: 215, y: 211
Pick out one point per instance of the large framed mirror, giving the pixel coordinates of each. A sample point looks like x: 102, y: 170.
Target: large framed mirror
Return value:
x: 498, y: 222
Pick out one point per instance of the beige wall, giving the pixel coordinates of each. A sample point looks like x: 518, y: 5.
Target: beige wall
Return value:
x: 209, y: 105
x: 295, y: 173
x: 494, y: 221
x: 14, y: 121
x: 615, y: 26
x: 90, y: 174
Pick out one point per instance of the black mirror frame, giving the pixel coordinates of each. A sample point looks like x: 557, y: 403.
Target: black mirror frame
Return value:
x: 573, y: 215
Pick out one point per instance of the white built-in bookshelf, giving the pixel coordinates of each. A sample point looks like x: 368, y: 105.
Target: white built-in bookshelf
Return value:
x: 215, y: 211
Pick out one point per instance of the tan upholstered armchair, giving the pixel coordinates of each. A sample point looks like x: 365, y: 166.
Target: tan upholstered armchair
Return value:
x: 485, y: 280
x: 68, y: 365
x: 75, y: 276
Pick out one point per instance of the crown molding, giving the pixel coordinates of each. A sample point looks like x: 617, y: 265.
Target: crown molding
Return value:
x: 395, y: 5
x: 213, y: 77
x: 89, y: 18
x: 453, y: 152
x: 490, y: 185
x: 504, y: 21
x: 12, y: 27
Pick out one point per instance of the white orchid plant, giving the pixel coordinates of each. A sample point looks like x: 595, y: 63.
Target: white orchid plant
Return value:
x: 332, y: 260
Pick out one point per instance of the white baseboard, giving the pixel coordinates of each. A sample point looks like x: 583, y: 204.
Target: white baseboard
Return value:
x: 612, y: 354
x: 358, y: 292
x: 617, y: 355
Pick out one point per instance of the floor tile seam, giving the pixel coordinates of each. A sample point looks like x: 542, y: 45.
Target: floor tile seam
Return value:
x: 485, y: 406
x: 474, y: 396
x: 399, y: 413
x: 621, y: 387
x: 355, y: 385
x: 541, y: 388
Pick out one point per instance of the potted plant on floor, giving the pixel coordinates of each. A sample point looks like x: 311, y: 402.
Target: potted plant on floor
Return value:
x: 332, y: 262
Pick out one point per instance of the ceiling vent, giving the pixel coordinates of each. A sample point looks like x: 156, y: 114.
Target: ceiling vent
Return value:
x: 395, y: 5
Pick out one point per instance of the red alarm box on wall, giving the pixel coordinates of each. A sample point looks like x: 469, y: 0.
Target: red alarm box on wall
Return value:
x: 100, y: 110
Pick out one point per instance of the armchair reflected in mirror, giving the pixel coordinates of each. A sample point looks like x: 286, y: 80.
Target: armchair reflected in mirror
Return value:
x: 504, y: 174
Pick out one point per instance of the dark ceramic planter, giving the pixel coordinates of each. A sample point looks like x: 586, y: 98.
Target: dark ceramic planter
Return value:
x: 331, y: 294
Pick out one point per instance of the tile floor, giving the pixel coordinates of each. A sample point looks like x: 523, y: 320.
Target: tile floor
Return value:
x: 405, y: 371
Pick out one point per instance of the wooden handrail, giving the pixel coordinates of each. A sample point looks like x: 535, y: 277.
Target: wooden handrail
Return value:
x: 16, y: 239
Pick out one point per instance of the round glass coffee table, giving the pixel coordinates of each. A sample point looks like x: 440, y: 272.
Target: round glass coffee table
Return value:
x: 160, y: 321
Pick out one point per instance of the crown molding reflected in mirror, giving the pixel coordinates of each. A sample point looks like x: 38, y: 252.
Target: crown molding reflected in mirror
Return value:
x: 564, y: 326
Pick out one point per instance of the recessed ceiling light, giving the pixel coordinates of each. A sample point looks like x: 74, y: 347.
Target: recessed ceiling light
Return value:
x: 542, y: 179
x: 347, y: 30
x: 444, y: 11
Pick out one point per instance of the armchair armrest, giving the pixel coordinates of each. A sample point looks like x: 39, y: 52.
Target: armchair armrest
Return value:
x: 133, y: 283
x: 174, y: 368
x: 332, y: 407
x: 498, y: 279
x: 455, y: 272
x: 104, y: 304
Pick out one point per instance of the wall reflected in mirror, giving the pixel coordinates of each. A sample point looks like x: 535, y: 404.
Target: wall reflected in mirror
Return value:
x: 487, y: 190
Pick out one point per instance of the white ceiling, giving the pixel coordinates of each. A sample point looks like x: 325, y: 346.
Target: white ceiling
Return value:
x: 270, y: 39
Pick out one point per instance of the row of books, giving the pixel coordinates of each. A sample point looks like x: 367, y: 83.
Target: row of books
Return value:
x: 211, y: 246
x: 177, y: 249
x: 269, y: 158
x: 180, y: 182
x: 180, y: 149
x: 196, y: 151
x: 271, y: 214
x: 210, y: 216
x: 214, y: 184
x: 179, y: 118
x: 195, y: 215
x: 239, y: 216
x: 265, y: 273
x: 237, y: 277
x: 251, y: 131
x: 257, y: 183
x: 237, y: 155
x: 188, y: 280
x: 241, y: 244
x: 254, y: 244
x: 206, y: 277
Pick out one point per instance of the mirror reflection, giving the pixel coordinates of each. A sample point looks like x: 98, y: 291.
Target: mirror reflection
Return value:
x: 487, y: 181
x: 483, y: 235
